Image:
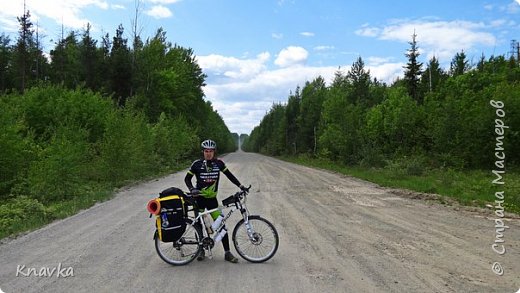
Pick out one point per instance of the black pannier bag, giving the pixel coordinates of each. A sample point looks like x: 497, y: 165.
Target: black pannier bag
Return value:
x: 172, y: 191
x: 171, y: 220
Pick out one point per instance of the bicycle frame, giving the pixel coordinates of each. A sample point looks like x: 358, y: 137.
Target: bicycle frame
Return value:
x: 199, y: 218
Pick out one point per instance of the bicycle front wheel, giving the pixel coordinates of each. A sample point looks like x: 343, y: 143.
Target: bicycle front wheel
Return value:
x: 182, y: 251
x: 260, y: 244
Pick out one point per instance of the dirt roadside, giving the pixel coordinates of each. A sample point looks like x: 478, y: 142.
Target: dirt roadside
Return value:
x: 338, y: 234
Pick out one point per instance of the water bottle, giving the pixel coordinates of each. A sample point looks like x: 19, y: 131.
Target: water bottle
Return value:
x: 217, y: 222
x: 221, y: 234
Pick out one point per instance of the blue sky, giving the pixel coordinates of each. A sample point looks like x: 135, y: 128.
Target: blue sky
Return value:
x: 255, y: 52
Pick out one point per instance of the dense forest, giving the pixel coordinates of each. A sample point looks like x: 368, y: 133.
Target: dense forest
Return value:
x: 95, y: 115
x: 430, y: 118
x: 453, y: 132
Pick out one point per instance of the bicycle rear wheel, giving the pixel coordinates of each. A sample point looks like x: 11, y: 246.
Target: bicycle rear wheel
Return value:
x: 263, y: 243
x: 182, y: 251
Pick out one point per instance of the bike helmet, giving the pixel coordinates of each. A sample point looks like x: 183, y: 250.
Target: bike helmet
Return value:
x: 208, y: 144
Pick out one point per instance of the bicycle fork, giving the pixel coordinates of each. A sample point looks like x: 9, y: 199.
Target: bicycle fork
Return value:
x: 249, y: 228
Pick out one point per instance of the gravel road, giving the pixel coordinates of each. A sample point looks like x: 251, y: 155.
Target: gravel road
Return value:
x: 337, y: 234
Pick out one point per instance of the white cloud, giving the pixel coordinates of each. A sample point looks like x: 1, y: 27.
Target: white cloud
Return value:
x: 368, y: 31
x: 513, y: 7
x: 117, y: 6
x: 387, y: 72
x: 231, y: 67
x: 498, y: 22
x: 323, y: 48
x: 440, y: 38
x: 350, y: 53
x: 243, y: 103
x: 277, y: 36
x: 159, y: 11
x: 307, y: 34
x: 291, y: 56
x: 243, y: 90
x: 9, y: 25
x: 242, y: 117
x: 375, y: 61
x: 67, y: 12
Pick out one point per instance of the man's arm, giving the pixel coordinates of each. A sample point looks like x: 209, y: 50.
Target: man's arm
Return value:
x: 232, y: 177
x: 187, y: 180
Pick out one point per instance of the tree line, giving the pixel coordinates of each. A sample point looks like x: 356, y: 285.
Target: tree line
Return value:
x: 152, y: 76
x: 93, y: 115
x: 430, y: 118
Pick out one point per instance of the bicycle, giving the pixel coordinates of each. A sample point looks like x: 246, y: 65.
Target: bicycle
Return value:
x: 255, y: 238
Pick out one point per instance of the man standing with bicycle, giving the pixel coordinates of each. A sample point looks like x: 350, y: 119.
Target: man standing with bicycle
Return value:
x: 207, y: 171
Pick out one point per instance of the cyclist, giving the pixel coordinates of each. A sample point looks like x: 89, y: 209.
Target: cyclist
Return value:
x: 207, y: 171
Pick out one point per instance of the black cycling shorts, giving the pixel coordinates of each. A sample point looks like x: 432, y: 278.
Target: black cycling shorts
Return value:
x: 207, y: 203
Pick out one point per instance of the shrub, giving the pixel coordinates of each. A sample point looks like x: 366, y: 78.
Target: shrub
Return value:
x: 59, y: 171
x: 127, y: 147
x: 21, y: 211
x: 414, y: 165
x: 16, y: 153
x: 172, y: 139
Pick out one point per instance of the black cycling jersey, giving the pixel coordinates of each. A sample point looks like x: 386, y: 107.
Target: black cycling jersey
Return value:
x: 207, y: 173
x: 208, y: 176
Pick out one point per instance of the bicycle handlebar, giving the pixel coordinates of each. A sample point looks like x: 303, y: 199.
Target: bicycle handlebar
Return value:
x: 232, y: 199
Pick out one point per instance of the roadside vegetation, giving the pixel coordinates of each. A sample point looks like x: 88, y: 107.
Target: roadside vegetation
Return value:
x: 96, y: 117
x: 433, y: 131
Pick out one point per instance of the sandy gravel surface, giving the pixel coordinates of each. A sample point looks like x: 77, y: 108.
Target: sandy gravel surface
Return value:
x: 337, y: 234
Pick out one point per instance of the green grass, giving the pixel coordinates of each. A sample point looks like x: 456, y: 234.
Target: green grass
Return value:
x: 468, y: 187
x: 23, y: 214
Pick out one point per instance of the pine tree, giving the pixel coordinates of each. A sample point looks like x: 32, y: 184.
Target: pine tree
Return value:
x: 65, y: 66
x: 413, y: 71
x: 292, y: 115
x: 23, y: 46
x: 120, y: 68
x: 359, y: 79
x: 433, y: 76
x: 103, y: 53
x: 36, y: 53
x: 312, y: 97
x: 459, y: 64
x: 5, y: 61
x: 89, y: 60
x: 481, y: 63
